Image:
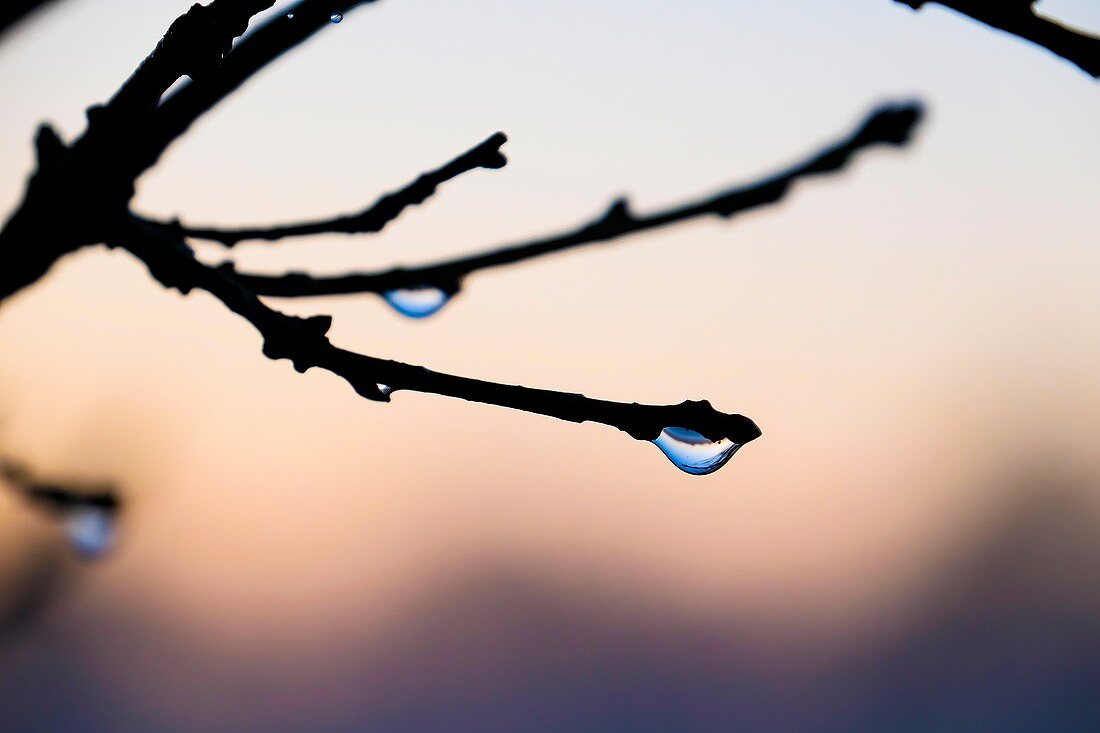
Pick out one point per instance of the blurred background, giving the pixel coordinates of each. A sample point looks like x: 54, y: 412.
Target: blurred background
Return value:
x: 911, y: 546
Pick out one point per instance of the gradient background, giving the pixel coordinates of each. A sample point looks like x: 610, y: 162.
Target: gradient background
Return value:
x: 912, y: 545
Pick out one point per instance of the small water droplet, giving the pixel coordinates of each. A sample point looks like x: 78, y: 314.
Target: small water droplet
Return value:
x: 385, y: 389
x: 90, y: 530
x: 290, y: 16
x: 418, y: 302
x: 694, y: 453
x: 336, y: 17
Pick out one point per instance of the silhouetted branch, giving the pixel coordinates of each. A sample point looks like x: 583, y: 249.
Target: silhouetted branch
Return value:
x: 87, y: 514
x: 269, y: 41
x: 57, y: 498
x: 76, y: 189
x: 195, y: 45
x: 91, y: 185
x: 12, y: 11
x: 304, y: 342
x: 890, y: 125
x: 374, y: 219
x: 1018, y: 18
x: 80, y: 194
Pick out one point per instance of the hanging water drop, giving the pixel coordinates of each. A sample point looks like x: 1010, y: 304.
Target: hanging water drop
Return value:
x: 336, y: 17
x: 90, y: 530
x: 419, y: 302
x: 385, y: 389
x: 693, y: 452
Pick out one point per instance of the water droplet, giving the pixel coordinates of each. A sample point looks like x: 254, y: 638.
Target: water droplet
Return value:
x: 90, y: 530
x: 385, y: 389
x: 694, y: 453
x: 290, y: 16
x: 336, y: 17
x: 418, y: 302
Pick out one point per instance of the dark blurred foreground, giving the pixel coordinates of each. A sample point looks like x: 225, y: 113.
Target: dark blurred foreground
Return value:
x: 1009, y: 641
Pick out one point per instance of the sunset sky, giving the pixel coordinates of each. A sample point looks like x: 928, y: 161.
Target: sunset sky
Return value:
x: 917, y: 338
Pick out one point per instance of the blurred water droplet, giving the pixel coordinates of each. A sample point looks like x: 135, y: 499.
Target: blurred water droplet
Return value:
x: 385, y: 389
x: 336, y: 17
x: 290, y: 16
x: 693, y: 453
x: 417, y: 302
x: 90, y: 530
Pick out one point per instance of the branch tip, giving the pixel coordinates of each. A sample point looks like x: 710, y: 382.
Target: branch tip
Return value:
x: 1018, y: 17
x: 374, y: 219
x: 890, y: 124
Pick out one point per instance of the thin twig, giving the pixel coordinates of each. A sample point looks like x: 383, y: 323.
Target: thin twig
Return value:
x: 55, y: 497
x: 304, y: 342
x: 80, y: 195
x: 890, y: 125
x: 267, y: 42
x: 485, y: 155
x: 1018, y: 18
x: 12, y: 11
x: 77, y: 188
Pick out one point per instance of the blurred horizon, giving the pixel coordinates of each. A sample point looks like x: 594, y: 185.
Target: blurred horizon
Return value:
x: 909, y: 546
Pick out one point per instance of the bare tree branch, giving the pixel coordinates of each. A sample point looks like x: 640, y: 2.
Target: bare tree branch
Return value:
x: 485, y: 155
x: 80, y: 195
x: 269, y: 41
x: 87, y: 513
x: 889, y: 125
x: 1018, y: 18
x: 12, y: 11
x: 54, y: 497
x: 195, y: 45
x: 93, y: 183
x: 84, y: 181
x: 304, y: 342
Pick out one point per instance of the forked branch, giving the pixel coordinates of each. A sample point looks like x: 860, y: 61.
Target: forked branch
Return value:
x: 55, y: 497
x: 1019, y: 18
x: 304, y: 342
x: 80, y: 195
x: 485, y: 155
x: 88, y: 513
x: 887, y: 125
x: 12, y: 11
x: 175, y: 115
x: 77, y: 188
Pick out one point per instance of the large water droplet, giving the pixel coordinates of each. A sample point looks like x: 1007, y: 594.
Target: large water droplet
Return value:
x: 418, y: 302
x: 336, y: 17
x: 90, y: 530
x: 694, y: 453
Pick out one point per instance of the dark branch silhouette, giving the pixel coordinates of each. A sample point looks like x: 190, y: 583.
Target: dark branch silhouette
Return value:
x: 374, y: 219
x: 87, y: 180
x: 87, y: 513
x: 92, y: 182
x: 80, y: 195
x: 1018, y: 18
x: 303, y: 341
x: 12, y: 11
x: 265, y: 44
x: 57, y: 498
x: 888, y: 125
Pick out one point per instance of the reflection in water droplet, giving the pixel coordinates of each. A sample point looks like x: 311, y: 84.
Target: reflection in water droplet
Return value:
x: 417, y: 302
x: 336, y: 17
x: 693, y: 453
x: 90, y: 530
x: 385, y: 389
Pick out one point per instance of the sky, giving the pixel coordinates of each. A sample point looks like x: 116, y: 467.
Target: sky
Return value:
x: 916, y: 339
